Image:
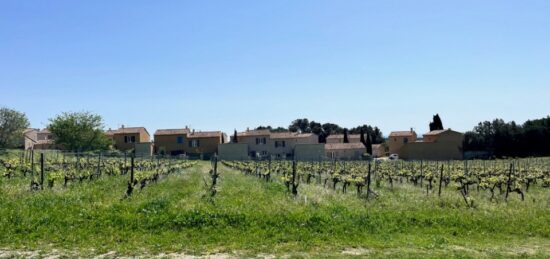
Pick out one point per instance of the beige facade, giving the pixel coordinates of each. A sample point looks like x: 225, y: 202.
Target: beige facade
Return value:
x: 39, y: 139
x: 263, y: 143
x: 144, y: 149
x: 186, y: 141
x: 345, y: 151
x: 436, y: 145
x: 171, y: 141
x: 309, y: 152
x: 126, y: 138
x: 257, y: 141
x: 282, y: 145
x: 233, y: 151
x: 378, y: 150
x: 339, y: 138
x: 398, y: 139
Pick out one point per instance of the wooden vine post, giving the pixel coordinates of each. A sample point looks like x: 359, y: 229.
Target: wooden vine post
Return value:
x: 440, y: 180
x: 42, y: 171
x: 368, y: 182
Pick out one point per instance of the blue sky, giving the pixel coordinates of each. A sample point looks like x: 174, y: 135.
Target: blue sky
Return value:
x: 236, y: 64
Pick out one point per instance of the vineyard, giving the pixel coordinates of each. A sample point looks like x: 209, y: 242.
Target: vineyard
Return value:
x: 90, y: 204
x: 507, y: 176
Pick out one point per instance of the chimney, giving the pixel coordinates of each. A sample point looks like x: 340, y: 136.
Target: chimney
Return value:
x: 122, y: 126
x: 247, y: 129
x: 193, y: 131
x: 411, y: 129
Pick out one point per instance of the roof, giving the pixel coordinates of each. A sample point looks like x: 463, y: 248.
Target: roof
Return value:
x: 339, y: 146
x: 436, y: 132
x: 282, y: 135
x: 45, y: 130
x: 204, y: 134
x: 126, y: 130
x: 341, y: 136
x: 171, y: 132
x: 253, y: 133
x: 402, y: 133
x: 29, y: 130
x: 44, y: 142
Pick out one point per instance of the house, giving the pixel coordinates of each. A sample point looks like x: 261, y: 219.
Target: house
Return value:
x: 435, y: 145
x: 171, y: 141
x: 30, y: 137
x: 204, y: 143
x: 339, y: 138
x: 397, y: 139
x: 345, y: 151
x: 125, y: 138
x: 264, y: 143
x: 282, y: 144
x: 257, y: 141
x: 39, y: 139
x: 185, y: 141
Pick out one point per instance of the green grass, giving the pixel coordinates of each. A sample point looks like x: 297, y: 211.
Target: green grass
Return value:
x: 251, y: 217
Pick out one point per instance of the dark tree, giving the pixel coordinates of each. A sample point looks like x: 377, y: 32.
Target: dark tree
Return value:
x: 362, y: 136
x: 235, y: 140
x: 436, y: 124
x: 374, y: 133
x: 369, y: 145
x: 299, y: 125
x: 346, y: 140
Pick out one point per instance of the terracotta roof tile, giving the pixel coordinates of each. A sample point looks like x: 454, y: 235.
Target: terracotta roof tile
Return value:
x: 253, y: 133
x: 283, y: 135
x: 204, y: 134
x: 402, y: 133
x: 171, y: 132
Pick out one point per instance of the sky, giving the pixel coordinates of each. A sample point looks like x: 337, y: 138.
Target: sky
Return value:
x: 225, y: 65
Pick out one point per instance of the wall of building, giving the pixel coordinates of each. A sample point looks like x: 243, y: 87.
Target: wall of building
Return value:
x: 252, y: 146
x: 431, y: 151
x: 144, y: 149
x: 345, y: 154
x: 169, y: 144
x: 309, y: 152
x: 207, y: 145
x: 290, y: 143
x: 233, y: 151
x: 396, y: 143
x: 121, y: 145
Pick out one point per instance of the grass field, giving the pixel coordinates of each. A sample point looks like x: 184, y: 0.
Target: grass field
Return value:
x: 249, y: 217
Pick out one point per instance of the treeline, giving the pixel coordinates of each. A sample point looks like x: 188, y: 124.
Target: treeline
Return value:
x: 323, y: 130
x: 508, y: 139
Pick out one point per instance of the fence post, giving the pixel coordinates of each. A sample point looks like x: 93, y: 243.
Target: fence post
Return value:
x: 132, y: 169
x: 440, y: 180
x: 32, y: 162
x: 42, y: 171
x: 368, y: 182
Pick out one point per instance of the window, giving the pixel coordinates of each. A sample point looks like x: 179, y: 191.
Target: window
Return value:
x: 280, y: 143
x: 179, y: 139
x: 125, y: 139
x: 405, y: 140
x: 264, y: 153
x: 194, y: 143
x: 133, y: 139
x: 262, y: 141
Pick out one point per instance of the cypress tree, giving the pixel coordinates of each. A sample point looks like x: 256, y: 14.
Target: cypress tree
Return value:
x: 235, y: 137
x: 346, y: 140
x: 369, y: 145
x: 362, y: 136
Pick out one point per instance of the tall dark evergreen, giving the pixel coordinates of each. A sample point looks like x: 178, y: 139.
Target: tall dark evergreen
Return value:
x: 362, y: 136
x: 346, y: 140
x: 369, y: 145
x: 235, y: 140
x: 436, y: 124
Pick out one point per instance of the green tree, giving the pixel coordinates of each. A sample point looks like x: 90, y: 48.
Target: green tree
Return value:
x: 12, y: 125
x: 79, y: 131
x: 436, y: 124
